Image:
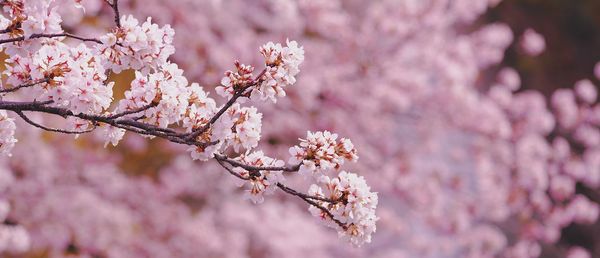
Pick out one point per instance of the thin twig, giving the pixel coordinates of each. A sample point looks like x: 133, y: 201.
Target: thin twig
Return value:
x: 115, y: 7
x: 237, y: 94
x: 312, y: 200
x: 236, y: 163
x: 26, y: 85
x: 36, y: 36
x: 29, y: 121
x: 127, y: 124
x: 313, y: 203
x: 303, y: 195
x: 133, y: 111
x: 231, y: 171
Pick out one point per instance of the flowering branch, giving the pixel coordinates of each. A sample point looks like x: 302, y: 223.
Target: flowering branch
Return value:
x: 72, y: 82
x: 238, y: 93
x: 57, y: 35
x: 256, y: 173
x: 114, y: 120
x: 29, y: 121
x: 25, y: 85
x: 256, y: 168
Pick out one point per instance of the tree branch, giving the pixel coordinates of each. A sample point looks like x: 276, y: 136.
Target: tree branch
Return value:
x: 127, y: 124
x: 36, y: 36
x: 236, y: 163
x: 237, y: 94
x: 115, y: 7
x: 312, y: 200
x: 133, y: 111
x: 29, y: 121
x: 26, y: 85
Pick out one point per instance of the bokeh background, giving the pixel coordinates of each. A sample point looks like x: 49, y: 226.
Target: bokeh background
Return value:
x: 469, y: 158
x: 572, y: 32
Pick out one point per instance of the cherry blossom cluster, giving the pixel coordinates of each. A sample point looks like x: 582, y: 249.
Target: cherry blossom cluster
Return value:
x: 320, y: 153
x: 167, y: 90
x: 48, y: 75
x: 26, y: 18
x: 136, y: 46
x: 70, y: 77
x: 259, y: 183
x: 281, y: 69
x: 239, y: 127
x: 464, y: 165
x: 352, y: 203
x: 349, y: 205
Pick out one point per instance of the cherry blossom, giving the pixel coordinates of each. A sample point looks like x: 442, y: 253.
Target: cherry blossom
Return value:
x: 264, y: 182
x: 137, y: 46
x: 352, y: 203
x: 465, y: 162
x: 282, y: 67
x: 321, y: 152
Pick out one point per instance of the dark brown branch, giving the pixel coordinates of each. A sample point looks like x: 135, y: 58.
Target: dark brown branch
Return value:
x: 115, y: 7
x: 133, y: 111
x: 231, y: 171
x: 26, y: 85
x: 29, y: 121
x: 313, y: 203
x: 36, y: 36
x: 214, y: 119
x: 303, y: 195
x: 312, y: 200
x: 237, y: 94
x: 236, y: 163
x: 127, y: 124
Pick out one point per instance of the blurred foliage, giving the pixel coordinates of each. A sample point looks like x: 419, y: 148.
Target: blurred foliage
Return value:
x: 572, y: 32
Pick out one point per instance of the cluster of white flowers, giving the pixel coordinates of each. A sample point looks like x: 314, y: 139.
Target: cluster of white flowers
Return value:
x: 353, y: 204
x: 200, y: 110
x: 40, y: 18
x: 259, y: 183
x: 111, y: 134
x: 30, y: 17
x: 321, y: 152
x: 282, y: 68
x: 166, y: 88
x: 247, y: 123
x: 239, y: 127
x: 235, y: 80
x: 161, y: 98
x: 135, y: 46
x: 7, y: 133
x: 71, y: 77
x: 350, y: 200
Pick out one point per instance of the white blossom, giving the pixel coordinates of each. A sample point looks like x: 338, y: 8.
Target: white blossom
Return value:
x: 321, y: 152
x: 137, y: 46
x: 354, y: 206
x: 261, y: 182
x: 282, y: 67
